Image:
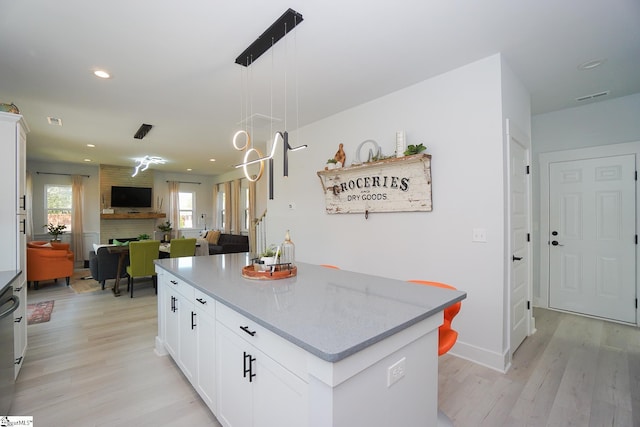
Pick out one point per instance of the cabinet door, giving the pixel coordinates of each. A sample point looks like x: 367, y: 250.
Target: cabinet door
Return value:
x: 172, y: 322
x: 279, y: 397
x: 234, y: 399
x: 20, y: 323
x: 187, y: 338
x: 206, y: 366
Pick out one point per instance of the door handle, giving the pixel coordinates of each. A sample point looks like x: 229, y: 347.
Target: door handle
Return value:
x: 516, y: 258
x: 555, y: 243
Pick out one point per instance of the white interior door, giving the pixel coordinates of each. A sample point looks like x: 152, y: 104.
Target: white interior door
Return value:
x: 592, y: 237
x: 519, y: 220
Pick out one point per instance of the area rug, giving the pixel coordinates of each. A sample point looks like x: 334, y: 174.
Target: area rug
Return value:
x: 39, y: 312
x: 82, y: 282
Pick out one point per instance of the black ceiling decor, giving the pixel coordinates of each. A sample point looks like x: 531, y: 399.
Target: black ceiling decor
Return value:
x: 275, y: 32
x: 144, y: 129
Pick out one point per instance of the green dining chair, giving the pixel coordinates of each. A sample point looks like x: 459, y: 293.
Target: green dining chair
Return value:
x: 141, y: 256
x: 182, y: 247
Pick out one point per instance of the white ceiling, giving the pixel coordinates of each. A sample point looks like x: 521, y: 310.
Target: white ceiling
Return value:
x: 173, y: 65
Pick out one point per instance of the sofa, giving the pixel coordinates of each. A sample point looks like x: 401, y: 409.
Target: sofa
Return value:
x: 222, y: 243
x: 48, y: 261
x: 104, y: 265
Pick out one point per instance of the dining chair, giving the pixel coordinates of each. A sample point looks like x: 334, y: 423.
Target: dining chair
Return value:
x: 141, y: 256
x: 182, y: 248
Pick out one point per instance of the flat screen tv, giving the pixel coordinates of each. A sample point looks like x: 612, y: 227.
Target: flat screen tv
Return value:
x: 131, y: 197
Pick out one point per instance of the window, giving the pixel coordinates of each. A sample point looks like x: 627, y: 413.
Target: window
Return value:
x: 58, y: 205
x: 185, y: 200
x: 222, y: 197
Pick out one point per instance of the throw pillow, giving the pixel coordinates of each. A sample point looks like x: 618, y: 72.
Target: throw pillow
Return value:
x: 213, y: 236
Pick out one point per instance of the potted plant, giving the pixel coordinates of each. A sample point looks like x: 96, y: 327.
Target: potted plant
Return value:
x: 331, y: 164
x: 268, y: 256
x: 414, y: 149
x: 55, y: 231
x: 144, y: 236
x: 166, y: 228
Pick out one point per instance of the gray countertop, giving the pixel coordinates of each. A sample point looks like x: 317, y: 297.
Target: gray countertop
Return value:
x: 330, y: 313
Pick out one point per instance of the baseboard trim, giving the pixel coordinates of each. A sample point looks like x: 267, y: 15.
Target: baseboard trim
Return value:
x: 496, y: 361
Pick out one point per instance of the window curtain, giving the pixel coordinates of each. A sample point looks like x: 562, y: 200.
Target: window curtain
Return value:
x: 252, y: 217
x: 227, y: 207
x: 77, y: 202
x: 174, y: 206
x: 235, y: 209
x: 214, y: 219
x: 29, y: 206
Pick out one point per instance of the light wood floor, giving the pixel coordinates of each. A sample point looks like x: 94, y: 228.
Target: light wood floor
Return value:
x: 93, y: 365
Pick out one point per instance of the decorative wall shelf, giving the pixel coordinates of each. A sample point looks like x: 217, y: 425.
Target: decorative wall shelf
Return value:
x: 400, y: 184
x: 139, y: 215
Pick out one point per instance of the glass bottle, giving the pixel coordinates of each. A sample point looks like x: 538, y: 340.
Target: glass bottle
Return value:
x: 288, y: 250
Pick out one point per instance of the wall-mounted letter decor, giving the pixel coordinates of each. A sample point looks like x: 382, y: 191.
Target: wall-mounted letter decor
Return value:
x: 391, y: 185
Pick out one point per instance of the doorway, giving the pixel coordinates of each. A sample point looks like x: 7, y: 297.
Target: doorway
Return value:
x: 592, y: 237
x: 588, y: 232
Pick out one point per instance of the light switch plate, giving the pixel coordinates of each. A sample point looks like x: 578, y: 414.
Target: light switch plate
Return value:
x: 479, y: 235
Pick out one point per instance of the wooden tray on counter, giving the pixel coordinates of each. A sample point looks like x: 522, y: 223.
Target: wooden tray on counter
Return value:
x: 250, y: 272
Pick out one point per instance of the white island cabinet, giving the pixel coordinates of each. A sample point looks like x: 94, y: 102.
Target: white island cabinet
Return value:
x: 326, y: 348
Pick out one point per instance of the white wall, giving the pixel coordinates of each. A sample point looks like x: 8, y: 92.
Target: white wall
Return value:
x: 459, y: 117
x: 601, y: 123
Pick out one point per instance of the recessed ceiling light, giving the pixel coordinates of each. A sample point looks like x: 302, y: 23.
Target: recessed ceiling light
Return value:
x: 590, y: 65
x: 91, y: 145
x: 87, y: 160
x: 189, y: 169
x: 54, y: 121
x: 212, y: 160
x: 102, y: 74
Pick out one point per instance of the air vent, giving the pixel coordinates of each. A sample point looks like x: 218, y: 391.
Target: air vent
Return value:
x: 143, y: 131
x: 54, y: 121
x: 592, y: 96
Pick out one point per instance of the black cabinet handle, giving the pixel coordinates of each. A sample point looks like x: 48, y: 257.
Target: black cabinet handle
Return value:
x: 23, y: 206
x: 174, y: 307
x: 201, y: 301
x: 246, y: 329
x: 516, y: 258
x: 17, y: 319
x: 248, y: 367
x: 193, y: 318
x: 16, y: 290
x: 18, y: 360
x: 173, y: 282
x: 555, y: 243
x: 24, y: 226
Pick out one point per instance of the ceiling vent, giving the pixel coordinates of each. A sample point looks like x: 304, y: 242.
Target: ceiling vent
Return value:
x: 143, y: 131
x: 592, y: 96
x: 54, y: 121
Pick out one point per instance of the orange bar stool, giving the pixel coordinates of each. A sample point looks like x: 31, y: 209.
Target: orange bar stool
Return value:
x: 446, y: 336
x: 329, y: 266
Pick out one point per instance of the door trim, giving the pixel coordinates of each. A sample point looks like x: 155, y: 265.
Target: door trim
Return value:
x: 541, y: 294
x: 514, y: 132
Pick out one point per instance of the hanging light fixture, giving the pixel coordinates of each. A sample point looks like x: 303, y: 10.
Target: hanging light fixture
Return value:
x: 287, y: 22
x: 145, y: 162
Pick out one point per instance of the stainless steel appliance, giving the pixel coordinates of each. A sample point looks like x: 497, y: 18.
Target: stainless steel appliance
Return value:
x: 8, y: 304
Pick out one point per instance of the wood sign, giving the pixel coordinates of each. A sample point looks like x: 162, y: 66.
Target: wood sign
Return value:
x: 392, y: 185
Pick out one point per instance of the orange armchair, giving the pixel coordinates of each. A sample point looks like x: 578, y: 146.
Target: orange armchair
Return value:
x: 47, y: 263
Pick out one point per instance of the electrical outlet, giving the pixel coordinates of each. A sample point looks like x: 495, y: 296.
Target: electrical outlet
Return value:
x: 479, y: 235
x: 292, y: 205
x: 395, y: 372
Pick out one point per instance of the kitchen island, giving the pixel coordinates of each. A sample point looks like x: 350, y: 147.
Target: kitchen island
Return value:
x: 325, y: 348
